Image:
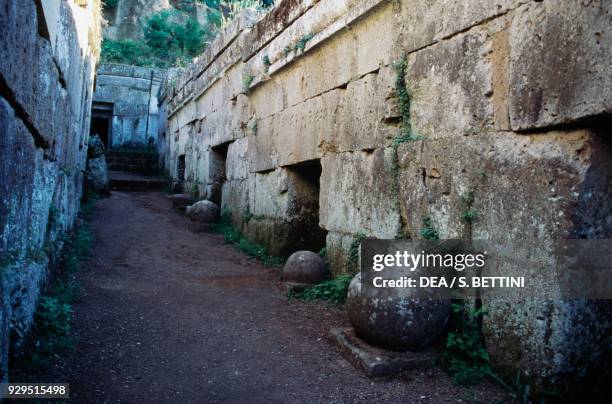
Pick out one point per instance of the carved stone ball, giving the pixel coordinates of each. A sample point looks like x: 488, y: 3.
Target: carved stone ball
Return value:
x: 304, y: 267
x: 391, y: 318
x: 203, y: 212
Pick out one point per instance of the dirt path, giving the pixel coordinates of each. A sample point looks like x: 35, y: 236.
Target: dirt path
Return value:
x: 172, y: 314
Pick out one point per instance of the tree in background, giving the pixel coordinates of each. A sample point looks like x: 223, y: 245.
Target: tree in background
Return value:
x: 173, y: 37
x: 176, y: 37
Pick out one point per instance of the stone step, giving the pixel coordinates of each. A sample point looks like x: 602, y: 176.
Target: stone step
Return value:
x: 134, y: 168
x: 130, y: 160
x: 136, y: 154
x: 123, y: 181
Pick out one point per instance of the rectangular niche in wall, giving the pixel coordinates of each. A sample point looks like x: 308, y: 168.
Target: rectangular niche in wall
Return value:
x: 216, y: 174
x: 304, y: 188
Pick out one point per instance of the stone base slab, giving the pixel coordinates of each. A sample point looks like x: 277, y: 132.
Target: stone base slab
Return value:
x: 378, y: 362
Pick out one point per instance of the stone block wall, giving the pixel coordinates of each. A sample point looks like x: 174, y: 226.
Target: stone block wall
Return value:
x: 127, y: 97
x: 511, y: 100
x: 48, y: 53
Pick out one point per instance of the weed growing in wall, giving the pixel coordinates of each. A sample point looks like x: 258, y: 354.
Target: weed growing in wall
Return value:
x: 353, y: 258
x: 406, y: 135
x: 246, y: 83
x: 403, y: 102
x: 300, y: 45
x: 428, y: 232
x: 235, y: 237
x: 468, y: 215
x: 254, y: 127
x: 266, y: 61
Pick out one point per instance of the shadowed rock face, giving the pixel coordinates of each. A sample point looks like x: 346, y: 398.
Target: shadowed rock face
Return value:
x: 47, y: 61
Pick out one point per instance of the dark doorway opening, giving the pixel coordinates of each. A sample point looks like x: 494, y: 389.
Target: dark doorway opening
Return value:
x: 178, y: 185
x: 99, y: 126
x: 218, y: 159
x: 305, y: 188
x: 101, y: 118
x: 180, y: 168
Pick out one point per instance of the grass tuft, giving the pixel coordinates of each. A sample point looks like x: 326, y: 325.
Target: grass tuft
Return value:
x: 332, y: 290
x: 465, y: 357
x: 233, y: 236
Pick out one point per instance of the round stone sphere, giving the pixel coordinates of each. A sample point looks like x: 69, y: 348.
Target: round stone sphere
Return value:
x: 393, y: 319
x: 203, y: 211
x: 304, y: 267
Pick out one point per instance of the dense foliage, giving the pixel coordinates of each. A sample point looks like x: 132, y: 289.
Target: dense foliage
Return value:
x: 173, y: 37
x: 465, y: 357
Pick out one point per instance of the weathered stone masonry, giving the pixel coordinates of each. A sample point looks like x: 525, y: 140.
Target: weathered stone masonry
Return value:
x: 125, y: 105
x: 289, y: 123
x: 48, y: 53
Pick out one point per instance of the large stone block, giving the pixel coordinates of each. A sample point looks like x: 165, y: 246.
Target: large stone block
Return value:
x: 268, y: 194
x: 228, y: 123
x: 361, y: 114
x: 112, y: 69
x: 343, y: 57
x: 237, y: 163
x: 560, y: 62
x: 68, y: 55
x: 298, y: 130
x: 563, y: 198
x: 356, y: 194
x: 560, y: 345
x: 123, y: 81
x: 430, y: 21
x: 121, y: 92
x: 272, y: 24
x: 235, y: 198
x: 16, y: 183
x: 354, y: 118
x: 211, y: 100
x: 543, y: 187
x: 268, y: 98
x: 338, y: 250
x: 262, y: 151
x: 450, y: 85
